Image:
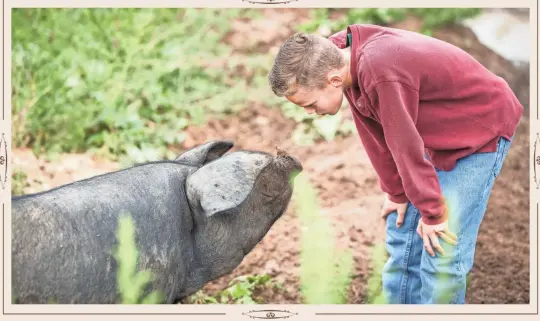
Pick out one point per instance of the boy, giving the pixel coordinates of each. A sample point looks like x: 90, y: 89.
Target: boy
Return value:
x: 436, y: 126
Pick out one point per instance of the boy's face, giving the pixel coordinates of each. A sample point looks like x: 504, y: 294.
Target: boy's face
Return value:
x: 326, y: 101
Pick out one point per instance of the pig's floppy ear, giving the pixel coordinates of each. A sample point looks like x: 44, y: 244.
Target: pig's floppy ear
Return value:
x: 225, y: 183
x: 205, y: 153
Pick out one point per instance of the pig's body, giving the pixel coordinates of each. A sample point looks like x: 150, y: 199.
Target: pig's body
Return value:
x: 62, y: 240
x: 79, y: 221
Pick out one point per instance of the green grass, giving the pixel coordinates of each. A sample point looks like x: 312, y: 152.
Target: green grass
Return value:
x: 240, y: 290
x: 433, y: 18
x: 325, y: 272
x: 130, y: 283
x: 125, y: 83
x: 18, y: 182
x: 374, y: 293
x: 311, y: 128
x: 122, y: 81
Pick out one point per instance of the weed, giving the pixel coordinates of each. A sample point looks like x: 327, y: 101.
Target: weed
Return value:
x: 122, y: 82
x: 432, y: 18
x: 131, y: 284
x: 240, y: 290
x: 325, y: 272
x: 19, y: 182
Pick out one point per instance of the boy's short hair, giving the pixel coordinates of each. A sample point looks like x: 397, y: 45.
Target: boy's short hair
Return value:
x: 303, y: 60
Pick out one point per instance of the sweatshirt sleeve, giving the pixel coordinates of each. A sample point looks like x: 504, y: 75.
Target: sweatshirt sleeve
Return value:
x: 372, y: 137
x: 397, y: 108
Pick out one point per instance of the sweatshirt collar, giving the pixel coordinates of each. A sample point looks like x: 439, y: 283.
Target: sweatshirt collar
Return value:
x: 353, y: 31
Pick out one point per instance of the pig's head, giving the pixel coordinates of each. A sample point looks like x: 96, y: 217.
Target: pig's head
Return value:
x: 235, y: 199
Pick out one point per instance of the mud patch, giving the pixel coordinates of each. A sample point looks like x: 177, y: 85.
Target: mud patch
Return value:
x: 263, y: 34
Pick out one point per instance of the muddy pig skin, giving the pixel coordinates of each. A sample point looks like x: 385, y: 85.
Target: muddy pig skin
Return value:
x: 196, y: 217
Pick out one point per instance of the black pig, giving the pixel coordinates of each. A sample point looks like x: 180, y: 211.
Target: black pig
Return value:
x: 196, y: 218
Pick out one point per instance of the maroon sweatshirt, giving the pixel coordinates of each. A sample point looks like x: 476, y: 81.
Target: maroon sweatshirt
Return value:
x: 413, y: 95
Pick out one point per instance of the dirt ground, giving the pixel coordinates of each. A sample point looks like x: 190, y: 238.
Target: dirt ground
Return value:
x: 347, y: 187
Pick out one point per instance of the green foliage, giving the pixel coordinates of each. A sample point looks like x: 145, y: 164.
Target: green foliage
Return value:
x: 325, y: 272
x: 131, y: 284
x: 18, y: 183
x: 200, y: 297
x: 122, y: 81
x: 241, y: 290
x: 313, y: 127
x: 126, y: 82
x: 374, y: 293
x: 432, y: 18
x: 322, y: 17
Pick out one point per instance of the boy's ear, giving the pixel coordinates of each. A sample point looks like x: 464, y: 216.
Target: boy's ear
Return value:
x: 335, y: 79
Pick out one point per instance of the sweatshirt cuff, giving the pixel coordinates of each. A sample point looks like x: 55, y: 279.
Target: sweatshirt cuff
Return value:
x: 399, y: 198
x: 437, y: 219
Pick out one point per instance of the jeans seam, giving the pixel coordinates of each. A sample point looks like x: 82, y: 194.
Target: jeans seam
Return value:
x: 456, y: 293
x: 405, y: 265
x: 459, y: 263
x: 500, y: 151
x: 504, y: 151
x: 460, y: 266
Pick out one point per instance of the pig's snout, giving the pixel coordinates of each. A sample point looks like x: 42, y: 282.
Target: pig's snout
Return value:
x: 289, y: 164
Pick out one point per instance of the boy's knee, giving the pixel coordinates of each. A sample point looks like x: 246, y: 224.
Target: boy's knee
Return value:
x: 448, y: 264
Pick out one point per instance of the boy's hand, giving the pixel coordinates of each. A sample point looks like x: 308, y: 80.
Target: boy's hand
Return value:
x: 431, y: 233
x: 390, y: 207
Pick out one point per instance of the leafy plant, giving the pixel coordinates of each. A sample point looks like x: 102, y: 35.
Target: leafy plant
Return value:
x: 123, y: 82
x: 432, y: 18
x: 324, y: 271
x: 19, y: 182
x: 202, y: 298
x: 374, y: 293
x: 131, y: 284
x: 313, y: 127
x: 240, y: 290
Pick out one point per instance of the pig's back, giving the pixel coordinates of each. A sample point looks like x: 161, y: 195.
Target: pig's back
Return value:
x: 63, y: 239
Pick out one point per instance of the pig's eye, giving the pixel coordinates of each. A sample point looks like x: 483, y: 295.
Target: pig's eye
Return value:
x: 267, y: 195
x: 267, y: 191
x: 270, y: 196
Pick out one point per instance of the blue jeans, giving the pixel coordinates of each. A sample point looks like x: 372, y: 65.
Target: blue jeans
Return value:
x: 411, y: 275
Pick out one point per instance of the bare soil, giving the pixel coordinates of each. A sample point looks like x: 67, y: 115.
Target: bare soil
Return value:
x: 347, y: 185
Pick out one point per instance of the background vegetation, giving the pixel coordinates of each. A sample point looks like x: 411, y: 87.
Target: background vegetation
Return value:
x: 124, y: 83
